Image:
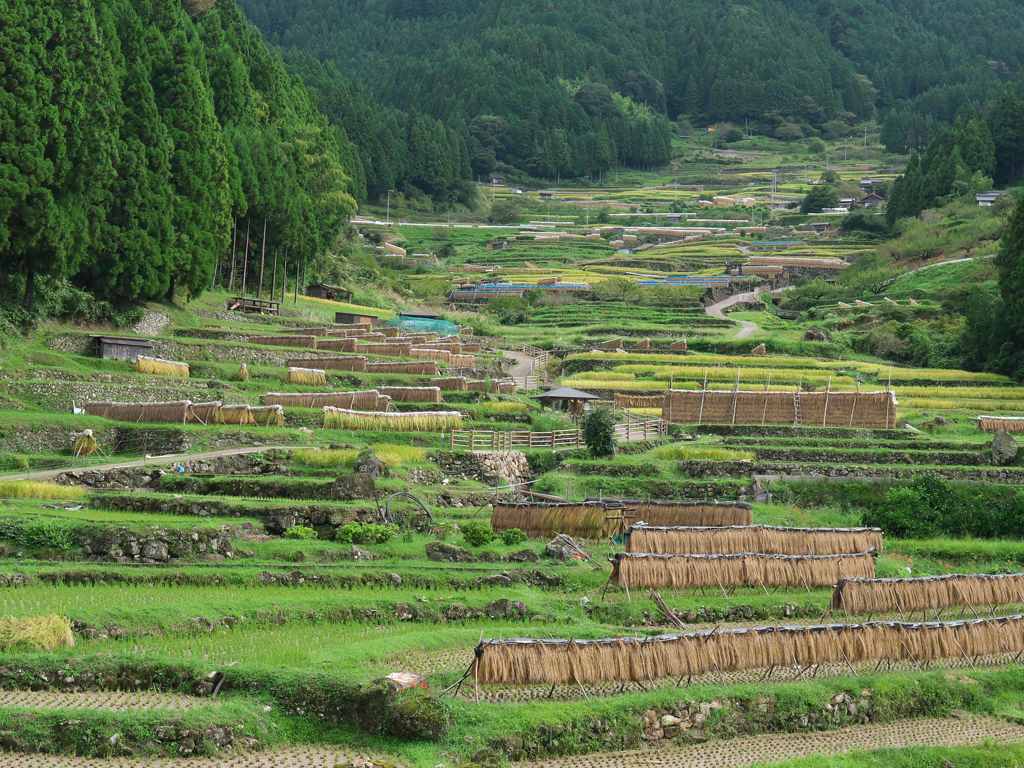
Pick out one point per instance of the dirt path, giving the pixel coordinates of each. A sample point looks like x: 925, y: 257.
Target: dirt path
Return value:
x: 933, y: 732
x: 747, y: 328
x: 524, y: 365
x: 167, y: 459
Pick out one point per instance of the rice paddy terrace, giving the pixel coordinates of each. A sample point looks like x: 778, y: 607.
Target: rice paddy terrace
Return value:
x: 260, y: 543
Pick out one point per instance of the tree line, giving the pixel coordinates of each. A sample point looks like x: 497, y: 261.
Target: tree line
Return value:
x: 134, y: 136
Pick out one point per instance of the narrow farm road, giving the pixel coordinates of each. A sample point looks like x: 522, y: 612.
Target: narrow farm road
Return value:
x: 524, y: 365
x: 747, y: 328
x: 171, y: 458
x: 750, y: 750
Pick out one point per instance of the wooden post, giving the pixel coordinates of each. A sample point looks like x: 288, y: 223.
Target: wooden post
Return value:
x: 273, y: 277
x: 263, y: 256
x: 284, y: 278
x: 735, y: 396
x: 828, y: 394
x: 234, y: 249
x: 245, y: 257
x: 295, y: 297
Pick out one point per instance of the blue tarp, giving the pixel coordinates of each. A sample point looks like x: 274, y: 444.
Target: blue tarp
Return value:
x: 425, y: 325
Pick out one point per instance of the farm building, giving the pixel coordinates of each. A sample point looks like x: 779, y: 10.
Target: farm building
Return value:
x: 816, y: 409
x: 567, y: 399
x: 122, y: 348
x: 330, y: 292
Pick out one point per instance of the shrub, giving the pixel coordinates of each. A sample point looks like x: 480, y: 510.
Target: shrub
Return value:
x: 38, y: 534
x: 365, y: 533
x: 512, y: 536
x: 301, y: 532
x: 476, y: 533
x: 599, y: 432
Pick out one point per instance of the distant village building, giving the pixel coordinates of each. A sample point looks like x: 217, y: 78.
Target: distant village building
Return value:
x: 872, y: 200
x: 988, y: 199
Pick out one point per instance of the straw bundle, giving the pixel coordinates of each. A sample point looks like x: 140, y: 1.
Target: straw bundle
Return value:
x: 386, y: 348
x: 462, y: 361
x: 424, y: 421
x: 639, y: 401
x: 816, y: 409
x: 599, y: 520
x: 420, y: 368
x: 453, y: 384
x: 437, y: 355
x: 929, y: 593
x: 643, y: 570
x: 1001, y: 423
x: 315, y: 331
x: 84, y: 444
x: 172, y: 413
x: 235, y: 414
x: 481, y: 385
x: 160, y: 367
x: 527, y: 661
x: 364, y: 400
x: 765, y: 539
x: 243, y: 372
x: 336, y: 345
x: 355, y: 363
x: 309, y: 376
x: 505, y: 387
x: 284, y: 341
x: 38, y: 633
x: 413, y: 394
x: 267, y: 415
x: 204, y: 413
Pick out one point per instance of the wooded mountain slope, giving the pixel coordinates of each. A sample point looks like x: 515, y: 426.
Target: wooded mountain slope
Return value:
x: 133, y: 134
x: 789, y: 65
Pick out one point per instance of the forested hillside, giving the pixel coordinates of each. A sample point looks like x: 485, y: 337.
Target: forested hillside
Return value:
x: 134, y: 134
x: 541, y: 85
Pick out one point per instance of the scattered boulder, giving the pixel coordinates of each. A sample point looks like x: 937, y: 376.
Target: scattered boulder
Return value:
x: 523, y: 556
x: 368, y: 464
x: 448, y: 553
x: 1004, y: 449
x: 815, y: 334
x: 505, y: 609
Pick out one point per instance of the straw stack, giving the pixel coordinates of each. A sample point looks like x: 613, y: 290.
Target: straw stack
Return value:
x: 160, y: 367
x: 204, y: 413
x: 764, y: 539
x: 749, y: 569
x: 1001, y: 423
x: 307, y: 376
x: 419, y: 368
x: 623, y: 659
x: 599, y: 520
x: 284, y: 341
x: 413, y: 394
x: 422, y: 421
x: 815, y: 409
x: 638, y: 401
x: 929, y: 593
x: 452, y: 384
x: 364, y: 400
x: 235, y: 414
x: 354, y: 363
x: 176, y: 412
x: 267, y: 415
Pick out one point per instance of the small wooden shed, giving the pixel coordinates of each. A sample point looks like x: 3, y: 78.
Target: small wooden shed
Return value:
x: 330, y: 292
x: 567, y: 399
x: 122, y: 348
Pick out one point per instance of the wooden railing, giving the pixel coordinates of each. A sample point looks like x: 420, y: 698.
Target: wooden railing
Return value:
x: 632, y: 430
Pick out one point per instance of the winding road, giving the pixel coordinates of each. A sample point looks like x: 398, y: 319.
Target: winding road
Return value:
x: 747, y: 328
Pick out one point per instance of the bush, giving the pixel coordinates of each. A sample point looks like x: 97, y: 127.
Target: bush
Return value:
x: 476, y: 533
x: 38, y: 534
x: 930, y: 507
x: 365, y: 533
x: 301, y: 532
x: 512, y: 536
x: 599, y: 432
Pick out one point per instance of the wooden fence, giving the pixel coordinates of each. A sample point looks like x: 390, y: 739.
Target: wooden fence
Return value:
x: 631, y: 430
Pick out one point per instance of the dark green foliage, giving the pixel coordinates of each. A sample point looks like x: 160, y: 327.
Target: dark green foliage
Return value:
x: 132, y: 134
x: 365, y: 533
x: 1010, y: 263
x: 599, y: 432
x: 820, y: 197
x: 931, y: 507
x: 476, y: 533
x: 512, y: 536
